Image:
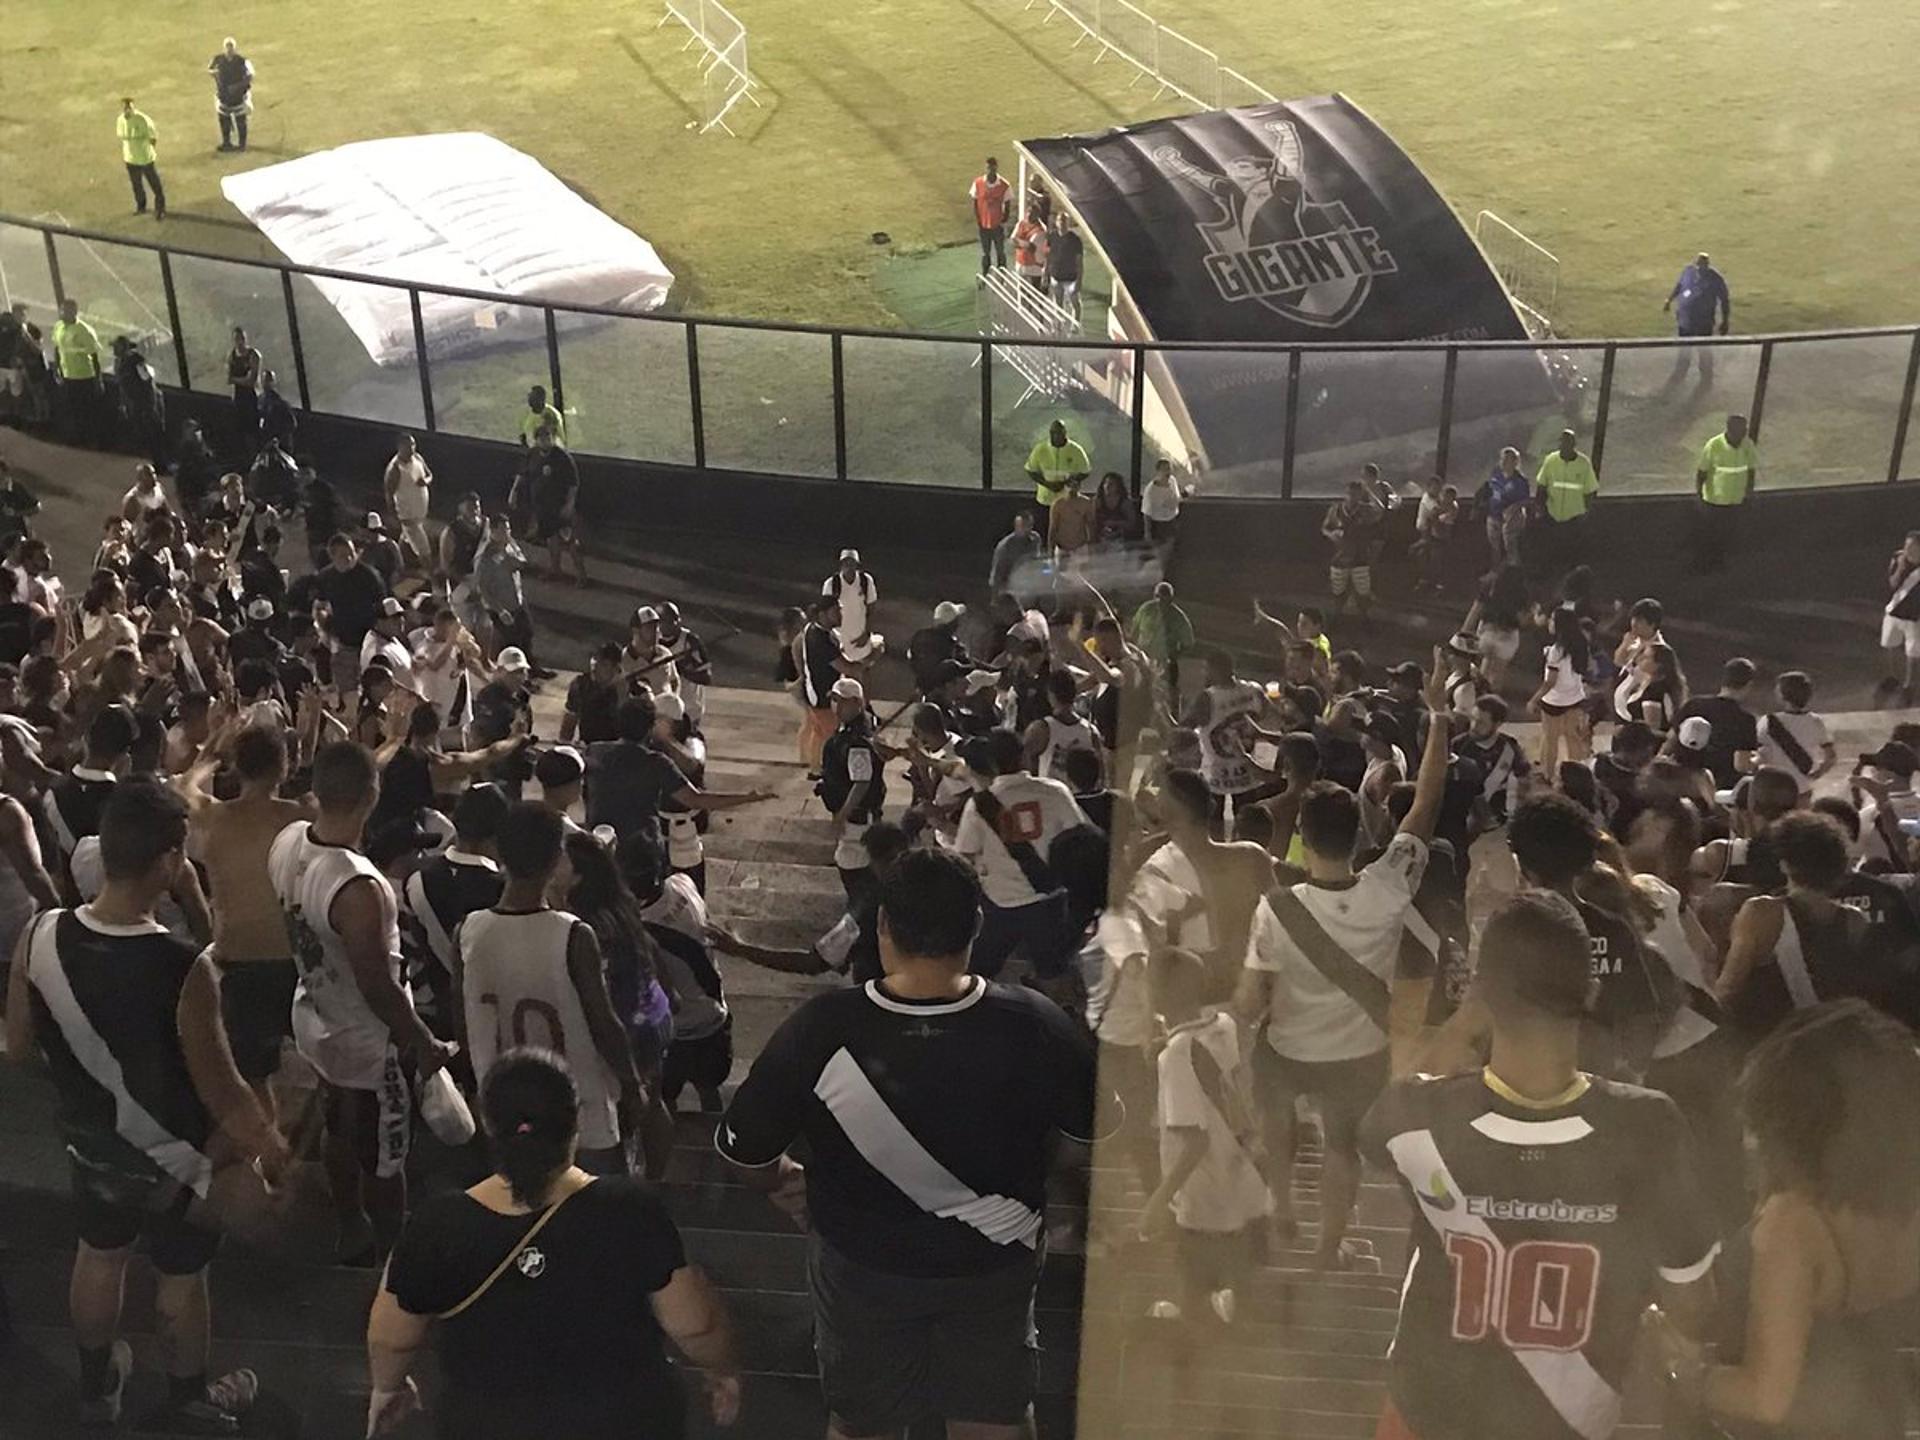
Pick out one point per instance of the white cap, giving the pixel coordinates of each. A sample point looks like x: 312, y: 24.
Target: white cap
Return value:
x: 570, y: 752
x: 669, y: 706
x: 948, y: 611
x: 373, y: 521
x: 978, y: 680
x: 260, y: 608
x: 1031, y: 625
x: 645, y: 615
x: 391, y: 607
x: 1695, y: 732
x: 847, y: 688
x: 513, y: 660
x: 853, y: 555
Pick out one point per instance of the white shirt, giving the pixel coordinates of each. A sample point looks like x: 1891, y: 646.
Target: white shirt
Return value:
x: 1310, y: 1017
x: 1033, y: 809
x: 1064, y: 737
x: 1224, y: 759
x: 1225, y: 1192
x: 1566, y: 685
x: 1160, y: 503
x: 1688, y: 1027
x: 333, y: 1026
x: 518, y: 991
x: 411, y: 483
x: 1163, y: 904
x: 1807, y: 728
x: 395, y: 652
x: 680, y: 908
x: 441, y: 676
x: 856, y: 596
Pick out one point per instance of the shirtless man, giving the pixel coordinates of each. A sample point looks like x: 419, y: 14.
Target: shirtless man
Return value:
x: 250, y: 949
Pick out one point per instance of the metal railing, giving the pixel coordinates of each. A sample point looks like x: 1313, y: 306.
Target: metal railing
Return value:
x: 887, y: 406
x: 1160, y: 53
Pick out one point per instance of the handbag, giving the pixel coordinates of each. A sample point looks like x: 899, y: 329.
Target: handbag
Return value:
x: 512, y: 1255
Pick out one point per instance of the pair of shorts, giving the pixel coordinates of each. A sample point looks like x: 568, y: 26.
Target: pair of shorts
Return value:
x: 1040, y: 930
x: 1346, y: 1089
x: 898, y: 1349
x: 256, y: 1002
x: 1358, y: 578
x: 1898, y: 634
x: 107, y: 1221
x: 379, y: 1120
x: 703, y: 1062
x: 1497, y: 642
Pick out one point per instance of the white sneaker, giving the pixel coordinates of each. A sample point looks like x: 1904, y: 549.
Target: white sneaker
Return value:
x: 100, y: 1411
x: 1163, y: 1310
x: 1223, y: 1304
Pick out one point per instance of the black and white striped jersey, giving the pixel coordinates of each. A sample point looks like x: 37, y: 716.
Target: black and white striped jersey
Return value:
x: 72, y: 805
x: 105, y: 1000
x: 445, y: 890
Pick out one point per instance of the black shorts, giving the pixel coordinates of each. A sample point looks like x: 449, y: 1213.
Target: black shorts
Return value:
x: 1346, y: 1089
x: 896, y: 1349
x: 111, y: 1216
x: 703, y: 1063
x: 256, y: 1001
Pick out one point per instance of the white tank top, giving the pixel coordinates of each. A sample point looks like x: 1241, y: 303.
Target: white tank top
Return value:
x: 518, y: 992
x: 16, y: 905
x: 1063, y: 737
x: 333, y: 1026
x: 1225, y: 762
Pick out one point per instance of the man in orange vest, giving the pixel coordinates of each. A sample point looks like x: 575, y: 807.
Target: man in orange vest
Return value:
x: 1030, y: 249
x: 989, y: 195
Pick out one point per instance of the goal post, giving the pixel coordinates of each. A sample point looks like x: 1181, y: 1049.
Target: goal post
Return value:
x: 1529, y: 270
x: 726, y: 78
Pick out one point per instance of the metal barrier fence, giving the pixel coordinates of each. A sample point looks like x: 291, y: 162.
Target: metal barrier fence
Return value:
x: 896, y: 407
x: 725, y: 77
x: 1174, y: 63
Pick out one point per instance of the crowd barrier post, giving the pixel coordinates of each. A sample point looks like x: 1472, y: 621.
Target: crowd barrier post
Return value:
x: 53, y: 270
x: 1906, y: 410
x: 836, y: 351
x: 986, y: 415
x: 293, y: 339
x: 420, y: 359
x: 173, y: 320
x: 1603, y: 406
x: 1443, y: 442
x: 554, y: 381
x: 696, y: 411
x: 1759, y: 405
x: 1293, y: 415
x: 1138, y: 358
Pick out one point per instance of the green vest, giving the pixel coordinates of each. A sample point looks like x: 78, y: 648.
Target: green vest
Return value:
x: 1725, y: 466
x: 76, y: 349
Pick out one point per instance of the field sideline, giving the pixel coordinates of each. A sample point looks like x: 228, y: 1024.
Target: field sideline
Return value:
x: 1623, y: 136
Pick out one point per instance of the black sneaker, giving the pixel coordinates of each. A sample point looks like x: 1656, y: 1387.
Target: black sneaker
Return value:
x: 217, y: 1412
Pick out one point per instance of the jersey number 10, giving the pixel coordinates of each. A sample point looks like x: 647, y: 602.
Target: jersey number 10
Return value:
x: 1536, y: 1296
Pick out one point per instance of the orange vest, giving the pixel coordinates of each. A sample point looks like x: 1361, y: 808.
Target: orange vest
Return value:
x: 990, y: 201
x: 1029, y: 239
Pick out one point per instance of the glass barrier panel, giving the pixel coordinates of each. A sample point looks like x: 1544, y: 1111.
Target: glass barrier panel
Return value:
x: 913, y: 411
x: 766, y: 400
x: 1910, y: 452
x: 358, y: 340
x: 1221, y: 417
x: 120, y: 292
x: 1830, y: 410
x: 626, y: 387
x: 483, y: 355
x: 1669, y: 400
x: 25, y: 279
x: 1089, y: 390
x: 1523, y: 398
x: 1373, y: 406
x: 217, y: 295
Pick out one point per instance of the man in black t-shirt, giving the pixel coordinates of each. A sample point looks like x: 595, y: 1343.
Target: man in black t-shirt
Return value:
x: 627, y: 779
x: 353, y: 591
x: 929, y: 1101
x: 593, y: 699
x: 1547, y: 1202
x: 1735, y: 732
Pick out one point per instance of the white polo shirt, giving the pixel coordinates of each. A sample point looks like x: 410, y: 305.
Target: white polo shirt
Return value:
x: 1310, y: 1017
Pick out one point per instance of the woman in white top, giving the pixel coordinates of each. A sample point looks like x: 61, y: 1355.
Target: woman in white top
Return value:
x: 1160, y: 501
x: 1561, y: 700
x: 409, y: 488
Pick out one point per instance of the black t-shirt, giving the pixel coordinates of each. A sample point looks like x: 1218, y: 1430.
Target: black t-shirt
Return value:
x: 1539, y: 1235
x: 913, y: 1108
x: 819, y: 651
x: 1637, y: 995
x: 566, y: 1336
x: 1064, y: 252
x: 1734, y: 728
x: 555, y: 478
x: 597, y: 708
x: 354, y: 595
x: 1342, y: 758
x: 625, y: 785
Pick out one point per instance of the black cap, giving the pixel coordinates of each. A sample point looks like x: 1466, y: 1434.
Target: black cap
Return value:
x: 1406, y: 670
x: 1893, y: 757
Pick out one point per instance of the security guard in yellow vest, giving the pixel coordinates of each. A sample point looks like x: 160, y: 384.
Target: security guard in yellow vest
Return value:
x: 1728, y: 471
x: 76, y: 353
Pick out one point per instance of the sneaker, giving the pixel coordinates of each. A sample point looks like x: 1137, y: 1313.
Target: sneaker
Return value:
x: 1163, y: 1310
x: 97, y: 1412
x: 1223, y: 1304
x: 220, y: 1410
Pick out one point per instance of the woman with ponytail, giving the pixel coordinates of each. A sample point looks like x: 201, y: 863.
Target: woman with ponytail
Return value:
x: 554, y: 1291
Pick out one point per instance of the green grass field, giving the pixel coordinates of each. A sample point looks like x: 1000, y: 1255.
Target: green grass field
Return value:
x: 1623, y: 136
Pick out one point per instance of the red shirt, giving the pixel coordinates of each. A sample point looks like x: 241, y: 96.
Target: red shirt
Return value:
x: 990, y: 201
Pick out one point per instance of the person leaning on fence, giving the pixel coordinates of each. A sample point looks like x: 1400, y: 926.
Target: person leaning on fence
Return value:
x: 244, y: 367
x: 140, y: 149
x: 1696, y: 298
x: 989, y: 192
x: 1726, y: 478
x: 232, y: 93
x: 76, y: 351
x: 1053, y: 461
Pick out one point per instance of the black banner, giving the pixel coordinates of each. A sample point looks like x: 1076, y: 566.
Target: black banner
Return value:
x: 1300, y: 222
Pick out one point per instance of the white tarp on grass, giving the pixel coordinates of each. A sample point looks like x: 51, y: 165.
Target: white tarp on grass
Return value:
x: 463, y: 211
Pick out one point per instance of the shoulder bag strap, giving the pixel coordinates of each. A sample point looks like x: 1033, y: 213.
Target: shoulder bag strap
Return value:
x: 1325, y: 954
x: 514, y: 1254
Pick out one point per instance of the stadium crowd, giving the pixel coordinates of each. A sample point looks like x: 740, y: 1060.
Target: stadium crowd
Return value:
x: 257, y: 820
